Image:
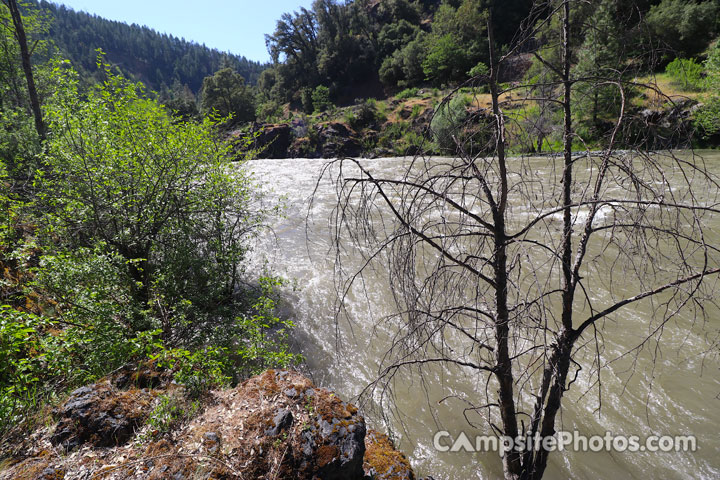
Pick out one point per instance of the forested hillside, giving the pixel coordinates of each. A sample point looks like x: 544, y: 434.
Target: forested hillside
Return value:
x: 410, y: 43
x: 156, y: 59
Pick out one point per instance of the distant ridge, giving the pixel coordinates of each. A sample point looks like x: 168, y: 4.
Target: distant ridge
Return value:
x: 158, y: 60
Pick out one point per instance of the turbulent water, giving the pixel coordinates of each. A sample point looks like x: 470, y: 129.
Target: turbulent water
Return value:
x: 677, y: 397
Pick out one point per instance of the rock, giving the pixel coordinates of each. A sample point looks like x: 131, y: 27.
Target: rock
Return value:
x: 514, y: 68
x: 100, y: 415
x: 51, y: 473
x: 272, y: 141
x: 282, y: 420
x: 668, y: 127
x: 276, y: 425
x: 304, y: 147
x: 318, y: 434
x: 382, y: 461
x: 338, y: 140
x: 421, y: 123
x: 212, y: 441
x: 405, y: 112
x: 144, y: 375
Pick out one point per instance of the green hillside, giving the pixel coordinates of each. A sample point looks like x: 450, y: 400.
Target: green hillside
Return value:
x: 156, y: 59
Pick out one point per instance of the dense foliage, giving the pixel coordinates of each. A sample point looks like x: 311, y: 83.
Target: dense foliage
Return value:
x: 225, y: 94
x: 124, y: 236
x: 411, y: 43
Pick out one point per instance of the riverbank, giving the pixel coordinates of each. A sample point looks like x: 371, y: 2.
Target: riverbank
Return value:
x: 415, y: 122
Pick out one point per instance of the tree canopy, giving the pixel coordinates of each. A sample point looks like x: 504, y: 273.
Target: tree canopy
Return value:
x: 225, y: 94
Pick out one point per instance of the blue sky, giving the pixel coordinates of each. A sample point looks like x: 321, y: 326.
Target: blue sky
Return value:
x: 236, y: 26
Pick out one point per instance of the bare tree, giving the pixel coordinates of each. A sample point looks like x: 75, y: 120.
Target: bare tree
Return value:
x: 493, y: 258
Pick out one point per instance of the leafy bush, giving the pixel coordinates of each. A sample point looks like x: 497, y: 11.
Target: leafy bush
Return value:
x: 707, y: 117
x: 416, y: 110
x: 407, y: 93
x: 479, y: 70
x: 392, y: 133
x: 411, y: 143
x: 321, y: 98
x: 134, y: 247
x: 448, y: 120
x: 20, y: 365
x: 264, y: 339
x: 686, y: 73
x: 367, y: 115
x: 269, y: 111
x: 135, y: 185
x: 170, y: 411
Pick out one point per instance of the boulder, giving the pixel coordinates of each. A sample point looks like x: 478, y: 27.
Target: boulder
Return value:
x: 303, y: 147
x: 276, y: 425
x: 383, y: 461
x: 273, y: 140
x: 279, y: 421
x: 338, y: 140
x: 100, y: 415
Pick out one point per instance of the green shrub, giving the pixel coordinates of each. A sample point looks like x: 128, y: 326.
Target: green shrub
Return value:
x: 269, y: 111
x: 409, y: 143
x: 686, y: 73
x: 407, y: 93
x: 479, y: 70
x: 265, y: 337
x: 392, y: 133
x: 448, y: 121
x: 306, y: 99
x: 707, y: 118
x: 367, y: 115
x: 136, y: 250
x: 416, y: 110
x: 20, y: 364
x: 156, y: 196
x: 321, y: 99
x: 170, y: 412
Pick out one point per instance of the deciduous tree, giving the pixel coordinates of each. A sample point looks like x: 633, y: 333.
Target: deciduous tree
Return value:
x: 225, y: 94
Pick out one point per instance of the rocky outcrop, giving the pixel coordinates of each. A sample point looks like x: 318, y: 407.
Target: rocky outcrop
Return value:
x: 323, y: 140
x: 383, y: 461
x: 100, y: 416
x: 338, y: 140
x: 272, y: 140
x: 276, y: 425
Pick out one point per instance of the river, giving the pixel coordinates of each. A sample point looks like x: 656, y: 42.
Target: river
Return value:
x: 680, y: 396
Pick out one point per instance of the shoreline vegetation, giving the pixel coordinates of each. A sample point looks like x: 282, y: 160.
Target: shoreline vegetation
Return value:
x: 404, y: 127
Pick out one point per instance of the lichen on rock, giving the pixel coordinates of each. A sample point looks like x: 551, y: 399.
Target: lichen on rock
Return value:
x: 276, y: 425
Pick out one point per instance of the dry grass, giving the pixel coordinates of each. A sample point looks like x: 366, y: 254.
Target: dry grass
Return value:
x: 668, y: 89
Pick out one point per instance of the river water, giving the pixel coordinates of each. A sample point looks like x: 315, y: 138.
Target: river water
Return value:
x: 679, y: 396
